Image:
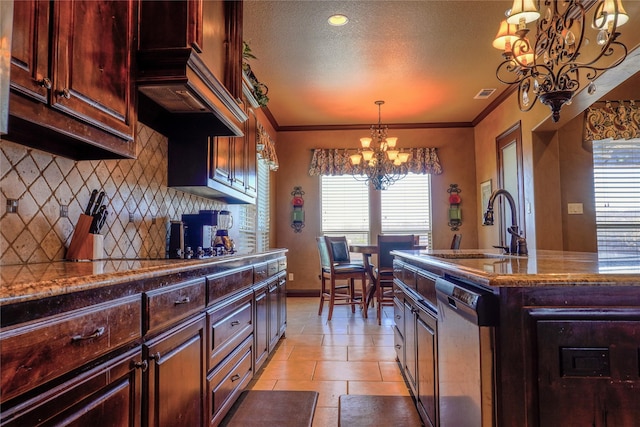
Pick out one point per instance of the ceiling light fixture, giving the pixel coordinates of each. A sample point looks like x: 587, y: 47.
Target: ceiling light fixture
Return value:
x: 378, y: 161
x: 549, y: 68
x: 338, y: 20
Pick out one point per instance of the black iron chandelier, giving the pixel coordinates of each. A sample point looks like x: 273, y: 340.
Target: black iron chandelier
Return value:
x: 378, y: 161
x: 549, y: 68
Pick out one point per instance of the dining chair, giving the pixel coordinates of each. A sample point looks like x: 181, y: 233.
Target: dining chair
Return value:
x: 384, y: 270
x: 336, y: 265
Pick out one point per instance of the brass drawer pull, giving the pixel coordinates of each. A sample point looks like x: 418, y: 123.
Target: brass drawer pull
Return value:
x: 45, y: 82
x: 96, y: 334
x: 235, y: 323
x: 184, y: 300
x: 144, y: 365
x: 64, y: 93
x: 235, y: 378
x: 155, y: 357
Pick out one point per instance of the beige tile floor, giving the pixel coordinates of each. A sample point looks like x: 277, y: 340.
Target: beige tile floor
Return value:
x: 346, y: 355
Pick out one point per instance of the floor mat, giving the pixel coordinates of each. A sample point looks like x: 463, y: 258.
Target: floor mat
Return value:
x: 377, y: 411
x: 272, y: 408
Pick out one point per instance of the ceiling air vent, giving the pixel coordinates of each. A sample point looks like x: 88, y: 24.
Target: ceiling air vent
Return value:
x: 484, y: 94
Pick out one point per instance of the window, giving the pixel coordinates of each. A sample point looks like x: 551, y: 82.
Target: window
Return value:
x: 262, y: 207
x: 404, y: 208
x: 616, y: 174
x: 254, y: 219
x: 345, y: 208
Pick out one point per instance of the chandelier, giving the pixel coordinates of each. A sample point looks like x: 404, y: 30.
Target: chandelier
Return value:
x: 378, y: 161
x: 549, y: 69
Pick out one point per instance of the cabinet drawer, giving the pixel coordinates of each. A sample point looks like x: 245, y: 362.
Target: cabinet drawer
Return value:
x: 282, y: 264
x: 260, y: 272
x: 166, y: 306
x: 273, y: 268
x: 225, y: 383
x: 398, y: 315
x: 426, y: 287
x: 110, y: 392
x: 35, y: 353
x: 229, y: 324
x: 222, y: 284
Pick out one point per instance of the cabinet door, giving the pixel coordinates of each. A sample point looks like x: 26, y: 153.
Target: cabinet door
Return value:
x: 176, y: 376
x: 221, y: 159
x: 588, y: 370
x: 92, y: 62
x: 410, y: 350
x: 274, y: 330
x: 251, y: 135
x: 107, y: 395
x: 239, y: 160
x: 282, y: 305
x: 426, y: 330
x: 30, y: 49
x: 261, y: 328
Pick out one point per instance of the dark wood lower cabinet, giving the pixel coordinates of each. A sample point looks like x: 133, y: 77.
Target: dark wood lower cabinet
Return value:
x: 107, y: 395
x: 174, y: 351
x: 261, y: 326
x: 174, y: 381
x: 590, y: 366
x: 427, y: 361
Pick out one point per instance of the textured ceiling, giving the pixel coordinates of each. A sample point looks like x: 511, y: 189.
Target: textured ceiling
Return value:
x: 426, y: 59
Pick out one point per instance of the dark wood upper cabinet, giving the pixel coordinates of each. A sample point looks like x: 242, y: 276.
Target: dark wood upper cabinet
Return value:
x: 193, y: 75
x: 72, y: 80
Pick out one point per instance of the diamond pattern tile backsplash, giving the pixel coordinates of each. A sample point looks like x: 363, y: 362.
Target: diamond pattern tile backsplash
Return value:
x: 44, y: 184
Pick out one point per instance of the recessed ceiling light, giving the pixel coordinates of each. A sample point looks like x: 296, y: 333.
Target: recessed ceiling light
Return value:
x: 338, y: 20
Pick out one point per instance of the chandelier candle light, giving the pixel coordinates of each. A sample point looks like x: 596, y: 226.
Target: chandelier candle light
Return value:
x: 549, y: 69
x: 378, y: 161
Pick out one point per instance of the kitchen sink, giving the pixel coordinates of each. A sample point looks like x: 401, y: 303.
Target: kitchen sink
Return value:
x: 473, y: 255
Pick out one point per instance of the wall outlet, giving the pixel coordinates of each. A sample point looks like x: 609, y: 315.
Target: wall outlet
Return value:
x: 291, y: 277
x: 12, y: 206
x: 574, y: 209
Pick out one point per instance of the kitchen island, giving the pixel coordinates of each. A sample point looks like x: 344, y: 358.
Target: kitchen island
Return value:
x: 550, y: 339
x: 133, y: 342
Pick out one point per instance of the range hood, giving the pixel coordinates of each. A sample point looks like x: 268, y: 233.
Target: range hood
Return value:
x: 178, y: 80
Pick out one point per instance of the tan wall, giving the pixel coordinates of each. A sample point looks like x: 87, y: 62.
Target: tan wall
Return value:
x: 500, y: 120
x: 457, y: 156
x: 576, y: 172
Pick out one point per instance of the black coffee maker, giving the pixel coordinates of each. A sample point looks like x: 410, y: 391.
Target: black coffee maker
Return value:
x: 199, y: 231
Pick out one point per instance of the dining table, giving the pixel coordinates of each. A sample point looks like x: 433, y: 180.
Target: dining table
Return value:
x: 367, y: 251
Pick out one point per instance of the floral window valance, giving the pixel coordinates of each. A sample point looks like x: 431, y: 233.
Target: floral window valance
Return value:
x: 336, y: 161
x: 266, y: 148
x: 616, y: 122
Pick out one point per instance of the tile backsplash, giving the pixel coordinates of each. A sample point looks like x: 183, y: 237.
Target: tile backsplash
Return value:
x: 44, y: 184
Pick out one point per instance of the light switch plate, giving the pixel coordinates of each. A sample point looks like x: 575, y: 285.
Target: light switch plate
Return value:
x: 574, y: 208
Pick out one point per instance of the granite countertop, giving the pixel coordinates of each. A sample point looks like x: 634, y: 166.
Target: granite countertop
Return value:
x: 539, y: 268
x: 24, y: 282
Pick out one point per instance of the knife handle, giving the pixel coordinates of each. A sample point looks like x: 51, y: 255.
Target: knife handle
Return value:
x: 98, y: 203
x: 94, y: 193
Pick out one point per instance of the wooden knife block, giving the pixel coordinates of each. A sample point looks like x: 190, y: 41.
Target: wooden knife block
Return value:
x: 84, y: 245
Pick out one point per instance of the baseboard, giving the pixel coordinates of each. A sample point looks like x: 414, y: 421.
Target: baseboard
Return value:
x: 303, y: 293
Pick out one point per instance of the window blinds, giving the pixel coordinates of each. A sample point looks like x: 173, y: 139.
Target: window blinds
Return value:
x: 616, y: 167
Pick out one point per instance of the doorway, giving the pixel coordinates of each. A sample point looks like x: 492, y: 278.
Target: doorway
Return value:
x: 510, y: 178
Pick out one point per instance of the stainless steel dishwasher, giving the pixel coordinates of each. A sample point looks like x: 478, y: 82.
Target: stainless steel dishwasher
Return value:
x: 467, y: 315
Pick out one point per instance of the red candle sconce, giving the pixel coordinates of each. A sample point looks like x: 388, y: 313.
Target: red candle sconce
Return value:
x: 297, y: 214
x: 455, y: 214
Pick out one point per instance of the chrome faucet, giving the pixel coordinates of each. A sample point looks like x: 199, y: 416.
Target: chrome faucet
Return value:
x: 518, y: 243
